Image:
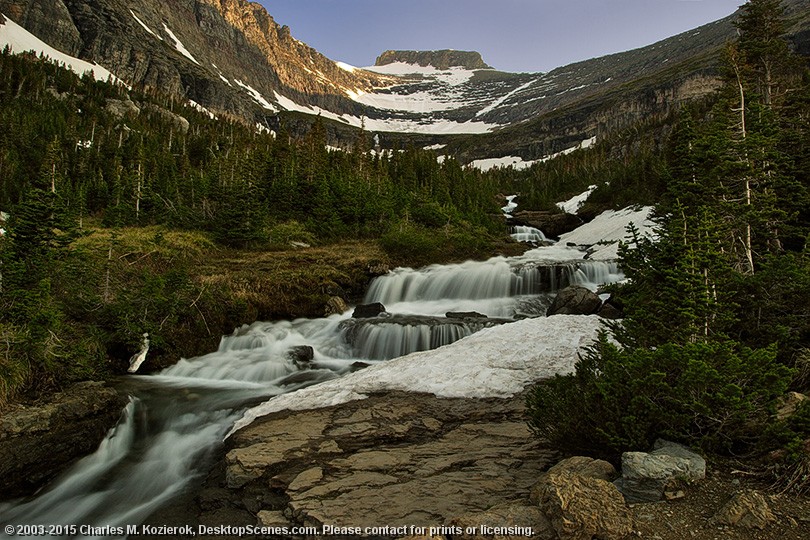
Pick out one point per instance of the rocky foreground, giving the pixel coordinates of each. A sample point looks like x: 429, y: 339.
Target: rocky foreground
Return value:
x: 414, y: 463
x: 394, y: 459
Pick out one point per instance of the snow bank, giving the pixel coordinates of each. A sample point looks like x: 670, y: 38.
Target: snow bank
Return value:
x: 587, y: 143
x: 609, y: 228
x: 453, y: 76
x: 20, y: 40
x: 143, y: 24
x: 256, y: 95
x: 179, y: 45
x: 575, y: 203
x: 496, y: 362
x: 516, y: 162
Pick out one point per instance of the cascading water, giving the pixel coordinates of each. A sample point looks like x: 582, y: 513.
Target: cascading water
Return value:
x: 177, y: 419
x: 523, y: 233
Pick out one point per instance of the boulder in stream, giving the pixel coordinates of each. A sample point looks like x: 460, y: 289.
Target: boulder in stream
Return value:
x: 575, y: 300
x: 464, y: 315
x: 302, y: 355
x: 366, y: 311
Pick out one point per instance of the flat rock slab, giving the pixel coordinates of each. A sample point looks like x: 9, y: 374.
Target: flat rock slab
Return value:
x: 393, y: 459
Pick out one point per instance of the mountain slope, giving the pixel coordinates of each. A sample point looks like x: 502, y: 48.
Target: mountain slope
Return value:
x: 231, y: 57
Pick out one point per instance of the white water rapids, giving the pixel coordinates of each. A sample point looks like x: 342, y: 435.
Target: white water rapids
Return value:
x: 176, y: 420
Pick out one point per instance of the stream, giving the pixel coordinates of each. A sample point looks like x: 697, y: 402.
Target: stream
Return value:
x: 175, y: 421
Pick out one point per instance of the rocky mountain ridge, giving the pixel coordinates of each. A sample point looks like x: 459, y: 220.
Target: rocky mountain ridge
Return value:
x: 232, y: 58
x: 443, y: 59
x: 228, y: 55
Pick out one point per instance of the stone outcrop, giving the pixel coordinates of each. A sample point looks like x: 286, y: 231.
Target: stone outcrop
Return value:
x: 121, y: 108
x: 365, y: 311
x: 646, y: 477
x: 39, y: 441
x: 443, y: 59
x: 551, y: 223
x: 439, y: 459
x: 335, y: 306
x: 583, y: 507
x: 747, y: 510
x: 575, y: 300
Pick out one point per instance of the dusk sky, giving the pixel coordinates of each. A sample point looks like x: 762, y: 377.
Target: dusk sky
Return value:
x: 511, y: 35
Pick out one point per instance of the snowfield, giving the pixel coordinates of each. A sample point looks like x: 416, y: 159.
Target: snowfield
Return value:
x: 495, y: 362
x: 608, y: 229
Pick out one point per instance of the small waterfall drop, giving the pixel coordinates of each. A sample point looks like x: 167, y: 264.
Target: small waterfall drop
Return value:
x: 523, y: 233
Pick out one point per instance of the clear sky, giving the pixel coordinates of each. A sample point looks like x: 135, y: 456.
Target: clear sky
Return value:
x: 511, y: 35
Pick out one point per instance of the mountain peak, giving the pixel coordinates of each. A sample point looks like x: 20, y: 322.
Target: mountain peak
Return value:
x: 443, y: 59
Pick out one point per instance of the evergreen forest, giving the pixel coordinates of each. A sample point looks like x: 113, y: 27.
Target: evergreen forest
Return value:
x: 718, y: 325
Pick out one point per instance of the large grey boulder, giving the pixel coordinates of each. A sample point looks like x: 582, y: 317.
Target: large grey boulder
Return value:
x: 575, y: 300
x: 647, y: 476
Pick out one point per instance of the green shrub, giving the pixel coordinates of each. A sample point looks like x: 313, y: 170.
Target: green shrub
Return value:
x: 409, y: 243
x: 715, y: 395
x: 282, y: 235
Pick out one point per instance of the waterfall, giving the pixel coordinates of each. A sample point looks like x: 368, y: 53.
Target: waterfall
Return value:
x: 168, y: 433
x: 523, y: 233
x: 386, y: 341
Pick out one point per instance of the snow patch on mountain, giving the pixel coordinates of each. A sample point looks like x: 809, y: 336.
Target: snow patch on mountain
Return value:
x: 20, y: 40
x: 179, y: 45
x: 256, y: 95
x: 346, y: 67
x: 587, y: 143
x: 417, y: 102
x: 454, y: 76
x: 202, y: 109
x: 143, y: 24
x: 516, y: 162
x: 397, y: 125
x: 500, y: 101
x: 575, y: 203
